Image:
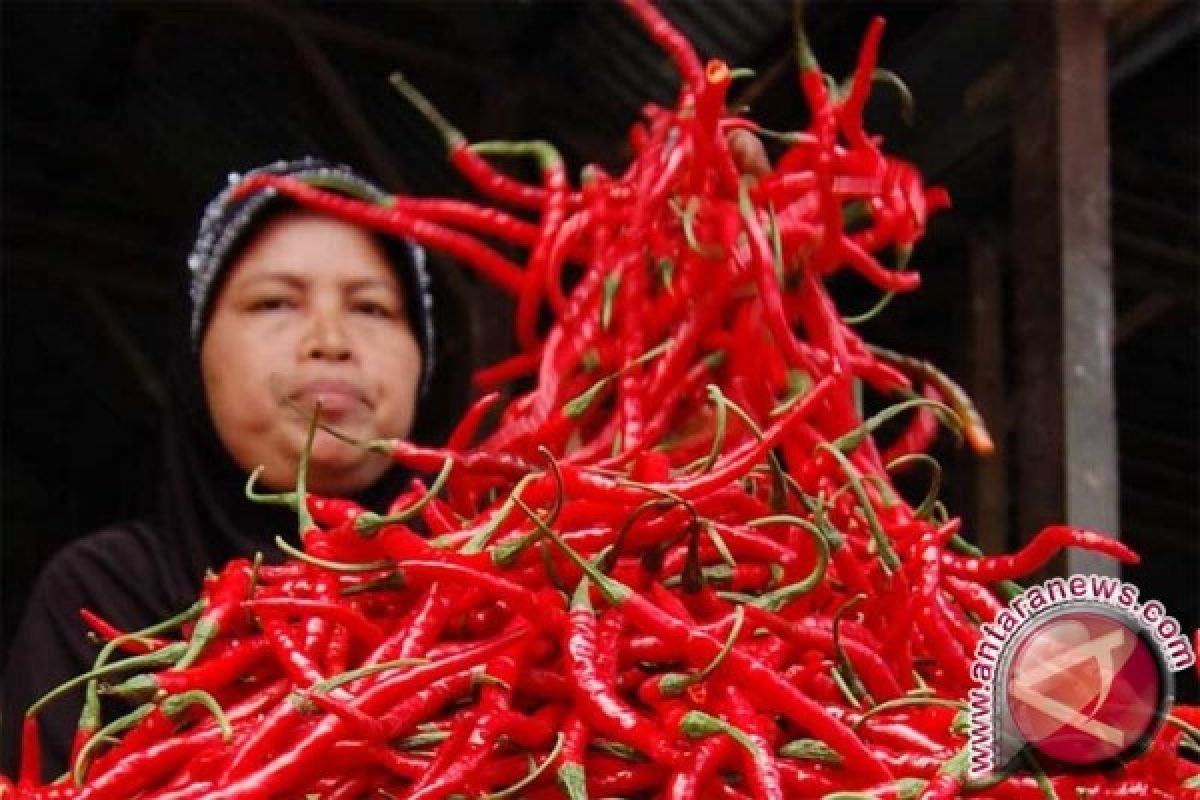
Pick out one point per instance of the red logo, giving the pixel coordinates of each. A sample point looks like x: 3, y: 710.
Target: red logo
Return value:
x: 1085, y: 687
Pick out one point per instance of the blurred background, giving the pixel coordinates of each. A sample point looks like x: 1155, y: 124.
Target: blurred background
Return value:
x: 1060, y: 290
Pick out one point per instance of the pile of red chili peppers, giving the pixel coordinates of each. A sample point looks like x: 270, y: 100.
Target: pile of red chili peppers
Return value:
x: 676, y: 567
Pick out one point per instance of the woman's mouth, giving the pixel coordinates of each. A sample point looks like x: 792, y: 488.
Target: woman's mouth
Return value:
x: 336, y: 398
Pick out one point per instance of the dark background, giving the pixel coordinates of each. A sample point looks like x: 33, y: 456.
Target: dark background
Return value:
x: 120, y: 120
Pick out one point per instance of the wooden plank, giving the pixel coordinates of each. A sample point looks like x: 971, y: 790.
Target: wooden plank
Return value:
x: 987, y: 386
x: 1065, y: 444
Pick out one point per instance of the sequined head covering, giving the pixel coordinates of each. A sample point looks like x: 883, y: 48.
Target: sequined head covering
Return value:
x: 228, y: 225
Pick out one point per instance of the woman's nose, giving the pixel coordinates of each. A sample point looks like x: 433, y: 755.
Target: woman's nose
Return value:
x: 326, y: 338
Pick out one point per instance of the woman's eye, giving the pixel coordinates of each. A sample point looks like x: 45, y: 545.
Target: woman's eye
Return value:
x: 373, y: 309
x: 271, y: 304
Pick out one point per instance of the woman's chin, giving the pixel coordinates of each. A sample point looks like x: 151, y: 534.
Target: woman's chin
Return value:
x: 343, y: 470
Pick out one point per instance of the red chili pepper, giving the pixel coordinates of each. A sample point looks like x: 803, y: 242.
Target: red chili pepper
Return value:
x: 130, y: 644
x: 342, y: 614
x: 932, y: 622
x: 553, y: 214
x: 761, y: 769
x: 490, y: 221
x: 1043, y: 547
x: 670, y: 40
x: 566, y: 240
x: 509, y: 369
x: 679, y: 278
x: 537, y: 608
x: 878, y: 678
x: 223, y: 609
x: 474, y: 168
x: 29, y: 772
x: 464, y: 432
x: 851, y: 111
x: 463, y: 247
x: 687, y: 782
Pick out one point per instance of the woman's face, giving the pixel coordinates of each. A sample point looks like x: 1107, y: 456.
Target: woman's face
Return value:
x: 311, y: 312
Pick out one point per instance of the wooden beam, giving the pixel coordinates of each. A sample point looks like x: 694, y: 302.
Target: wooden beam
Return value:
x: 1066, y: 446
x: 987, y: 387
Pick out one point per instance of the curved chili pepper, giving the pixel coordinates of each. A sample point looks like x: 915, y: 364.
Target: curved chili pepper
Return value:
x: 108, y: 632
x: 763, y: 776
x: 467, y: 249
x: 509, y: 369
x: 477, y: 170
x: 1044, y: 546
x: 490, y: 221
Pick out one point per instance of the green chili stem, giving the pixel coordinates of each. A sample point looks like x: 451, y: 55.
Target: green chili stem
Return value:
x: 544, y: 152
x: 331, y: 683
x: 850, y: 440
x: 891, y: 562
x: 332, y: 566
x: 810, y: 750
x: 925, y: 509
x: 479, y: 541
x: 722, y: 412
x: 304, y: 519
x: 159, y: 658
x: 776, y: 599
x: 904, y: 252
x: 89, y: 718
x: 904, y: 702
x: 105, y: 735
x: 418, y: 741
x: 573, y: 780
x: 534, y: 773
x: 697, y: 725
x: 371, y: 522
x: 612, y: 281
x: 579, y: 404
x: 279, y: 498
x: 176, y: 704
x: 614, y: 592
x: 1039, y: 774
x: 844, y: 665
x: 718, y: 543
x: 451, y: 136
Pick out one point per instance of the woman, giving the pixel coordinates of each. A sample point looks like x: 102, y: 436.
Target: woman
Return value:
x: 289, y: 309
